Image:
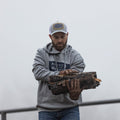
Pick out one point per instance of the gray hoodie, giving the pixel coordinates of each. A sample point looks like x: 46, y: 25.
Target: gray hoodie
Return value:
x: 48, y: 61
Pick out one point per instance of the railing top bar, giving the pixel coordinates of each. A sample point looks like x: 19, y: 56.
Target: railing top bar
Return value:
x: 82, y: 104
x: 18, y: 110
x: 100, y: 102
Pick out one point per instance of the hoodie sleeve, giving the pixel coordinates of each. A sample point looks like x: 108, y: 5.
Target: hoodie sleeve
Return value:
x: 39, y: 69
x: 77, y: 62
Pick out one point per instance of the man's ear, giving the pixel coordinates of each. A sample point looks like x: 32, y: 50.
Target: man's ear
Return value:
x: 67, y: 33
x: 50, y: 36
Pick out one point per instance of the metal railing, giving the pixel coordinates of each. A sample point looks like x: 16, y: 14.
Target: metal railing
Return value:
x: 5, y: 112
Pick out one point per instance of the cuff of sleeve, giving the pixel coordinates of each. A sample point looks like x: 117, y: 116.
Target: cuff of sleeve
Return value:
x: 52, y: 73
x: 56, y: 73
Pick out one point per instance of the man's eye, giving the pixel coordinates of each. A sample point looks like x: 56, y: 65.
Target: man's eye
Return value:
x: 56, y: 37
x: 62, y: 37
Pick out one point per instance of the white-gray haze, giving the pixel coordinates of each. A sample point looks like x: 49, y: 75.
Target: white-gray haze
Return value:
x: 94, y: 31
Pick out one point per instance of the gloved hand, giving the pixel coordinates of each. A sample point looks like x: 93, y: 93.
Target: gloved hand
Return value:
x: 67, y: 72
x: 74, y: 88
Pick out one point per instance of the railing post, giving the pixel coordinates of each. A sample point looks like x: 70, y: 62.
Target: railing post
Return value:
x: 3, y: 116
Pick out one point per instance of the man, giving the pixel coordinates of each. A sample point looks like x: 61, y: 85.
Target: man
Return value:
x: 58, y: 58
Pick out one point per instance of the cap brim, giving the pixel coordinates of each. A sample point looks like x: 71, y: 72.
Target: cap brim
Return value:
x: 58, y: 31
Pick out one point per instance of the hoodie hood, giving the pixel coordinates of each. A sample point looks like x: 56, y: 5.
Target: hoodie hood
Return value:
x: 51, y: 50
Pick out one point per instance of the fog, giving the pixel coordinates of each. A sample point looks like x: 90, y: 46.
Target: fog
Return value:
x: 94, y: 31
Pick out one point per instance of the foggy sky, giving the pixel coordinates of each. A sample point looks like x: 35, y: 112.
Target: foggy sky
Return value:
x: 94, y: 31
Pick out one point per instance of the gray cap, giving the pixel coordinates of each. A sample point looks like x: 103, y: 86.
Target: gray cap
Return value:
x: 57, y: 27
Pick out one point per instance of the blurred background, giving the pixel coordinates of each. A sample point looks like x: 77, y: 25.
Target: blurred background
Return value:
x: 94, y: 31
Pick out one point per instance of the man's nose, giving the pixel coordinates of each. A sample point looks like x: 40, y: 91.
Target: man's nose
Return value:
x: 60, y: 39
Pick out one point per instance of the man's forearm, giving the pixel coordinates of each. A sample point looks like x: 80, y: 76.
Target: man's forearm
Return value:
x: 42, y: 73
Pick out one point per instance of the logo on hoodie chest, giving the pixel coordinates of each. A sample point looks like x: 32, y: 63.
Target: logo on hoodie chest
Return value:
x: 58, y: 66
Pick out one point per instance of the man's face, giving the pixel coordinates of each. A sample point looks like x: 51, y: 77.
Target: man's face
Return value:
x: 59, y: 40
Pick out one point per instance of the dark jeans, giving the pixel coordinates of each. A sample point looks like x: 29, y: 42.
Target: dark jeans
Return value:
x: 66, y: 114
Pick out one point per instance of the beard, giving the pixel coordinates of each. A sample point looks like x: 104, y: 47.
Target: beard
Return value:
x: 59, y: 46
